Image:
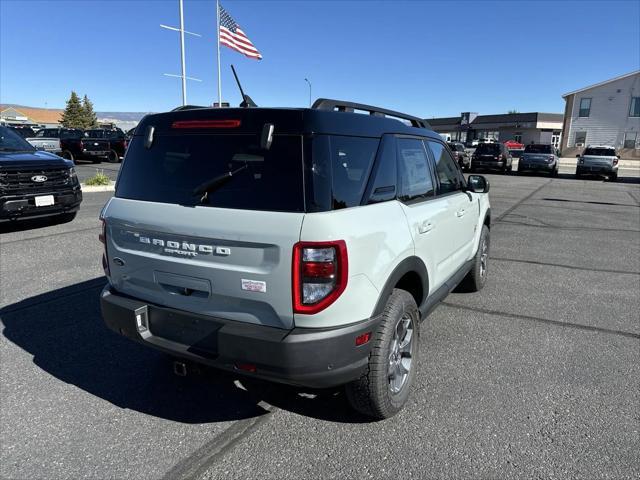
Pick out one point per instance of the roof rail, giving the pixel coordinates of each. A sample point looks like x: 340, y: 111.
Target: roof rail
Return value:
x: 187, y: 107
x: 342, y: 106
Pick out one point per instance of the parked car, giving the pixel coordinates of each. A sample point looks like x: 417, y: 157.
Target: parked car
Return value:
x: 48, y: 144
x: 75, y: 146
x: 24, y: 132
x: 492, y: 156
x: 460, y: 155
x: 598, y: 160
x: 539, y: 157
x: 239, y: 240
x: 35, y: 183
x: 477, y: 141
x: 117, y: 141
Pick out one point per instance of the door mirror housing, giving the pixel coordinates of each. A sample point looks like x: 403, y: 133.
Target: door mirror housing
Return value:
x: 477, y: 184
x: 578, y: 155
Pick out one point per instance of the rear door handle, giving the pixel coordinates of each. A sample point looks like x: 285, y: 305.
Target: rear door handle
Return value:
x: 425, y: 227
x: 460, y: 213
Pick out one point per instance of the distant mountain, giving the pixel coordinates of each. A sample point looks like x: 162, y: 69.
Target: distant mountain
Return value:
x: 124, y: 120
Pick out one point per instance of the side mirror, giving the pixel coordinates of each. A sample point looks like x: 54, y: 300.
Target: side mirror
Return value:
x: 618, y: 157
x: 578, y: 155
x: 478, y: 184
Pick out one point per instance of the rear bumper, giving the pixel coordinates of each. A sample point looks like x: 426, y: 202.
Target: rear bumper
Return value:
x: 315, y: 358
x: 596, y: 169
x: 16, y: 207
x: 536, y: 167
x: 488, y: 163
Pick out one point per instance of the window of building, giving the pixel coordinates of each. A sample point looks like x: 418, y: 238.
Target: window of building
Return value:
x: 630, y: 139
x: 518, y: 137
x: 581, y: 139
x: 634, y: 109
x: 585, y: 107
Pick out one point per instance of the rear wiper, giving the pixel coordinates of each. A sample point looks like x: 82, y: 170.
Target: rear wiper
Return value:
x: 211, y: 185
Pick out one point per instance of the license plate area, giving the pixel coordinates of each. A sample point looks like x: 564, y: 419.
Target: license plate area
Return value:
x: 44, y: 201
x: 200, y: 335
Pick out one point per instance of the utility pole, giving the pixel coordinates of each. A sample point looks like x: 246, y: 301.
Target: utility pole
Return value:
x: 182, y: 56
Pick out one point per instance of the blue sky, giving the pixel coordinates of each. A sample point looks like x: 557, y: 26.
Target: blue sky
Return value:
x: 427, y: 58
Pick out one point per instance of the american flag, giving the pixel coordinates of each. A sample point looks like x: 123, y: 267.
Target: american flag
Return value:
x: 233, y: 37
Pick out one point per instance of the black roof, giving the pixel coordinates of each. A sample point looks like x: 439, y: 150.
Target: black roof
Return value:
x: 500, y: 118
x: 285, y: 120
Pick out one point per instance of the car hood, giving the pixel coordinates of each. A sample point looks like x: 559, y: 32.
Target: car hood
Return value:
x: 32, y: 159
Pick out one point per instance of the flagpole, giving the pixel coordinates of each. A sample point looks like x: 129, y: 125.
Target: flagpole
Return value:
x: 184, y: 69
x: 218, y: 43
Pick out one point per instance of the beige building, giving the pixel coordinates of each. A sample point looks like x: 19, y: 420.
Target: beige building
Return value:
x: 41, y: 117
x: 607, y: 113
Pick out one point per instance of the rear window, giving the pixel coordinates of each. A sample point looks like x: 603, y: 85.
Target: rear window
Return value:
x: 538, y: 149
x: 456, y: 147
x: 492, y: 148
x: 600, y: 152
x: 175, y: 165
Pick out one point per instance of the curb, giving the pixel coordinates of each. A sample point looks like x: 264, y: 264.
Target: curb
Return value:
x: 97, y: 188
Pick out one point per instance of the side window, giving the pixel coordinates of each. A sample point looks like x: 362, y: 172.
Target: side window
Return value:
x: 446, y: 169
x: 415, y: 174
x: 351, y: 161
x: 40, y: 133
x: 382, y: 187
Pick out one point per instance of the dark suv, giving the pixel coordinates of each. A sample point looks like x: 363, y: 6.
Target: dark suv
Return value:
x: 76, y: 146
x: 460, y: 154
x: 492, y: 156
x: 35, y: 183
x: 117, y: 141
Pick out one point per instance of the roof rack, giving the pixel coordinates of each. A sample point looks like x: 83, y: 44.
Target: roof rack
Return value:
x: 342, y: 106
x: 187, y: 107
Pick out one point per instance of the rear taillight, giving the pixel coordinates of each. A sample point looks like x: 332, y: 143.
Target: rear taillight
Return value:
x: 615, y: 162
x: 550, y: 158
x: 102, y: 236
x: 81, y: 145
x: 320, y: 272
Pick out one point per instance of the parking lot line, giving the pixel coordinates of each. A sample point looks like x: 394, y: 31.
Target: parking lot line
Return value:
x: 571, y: 267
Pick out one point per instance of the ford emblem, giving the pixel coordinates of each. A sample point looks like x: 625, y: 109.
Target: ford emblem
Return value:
x: 39, y: 178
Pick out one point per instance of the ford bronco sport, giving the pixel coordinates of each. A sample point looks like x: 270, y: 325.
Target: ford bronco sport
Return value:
x: 300, y: 246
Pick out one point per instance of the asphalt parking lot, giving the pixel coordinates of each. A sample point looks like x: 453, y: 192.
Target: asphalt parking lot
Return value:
x: 536, y: 376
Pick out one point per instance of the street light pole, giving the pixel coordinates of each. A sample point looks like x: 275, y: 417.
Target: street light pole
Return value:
x: 307, y: 80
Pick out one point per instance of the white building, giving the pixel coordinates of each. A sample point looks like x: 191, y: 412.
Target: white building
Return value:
x: 607, y: 113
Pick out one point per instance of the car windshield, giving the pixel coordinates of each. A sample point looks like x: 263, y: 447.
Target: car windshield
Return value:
x: 24, y: 132
x: 10, y: 141
x: 492, y: 148
x: 456, y: 147
x: 600, y: 152
x: 538, y: 149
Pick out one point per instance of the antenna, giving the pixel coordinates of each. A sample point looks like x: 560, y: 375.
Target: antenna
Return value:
x: 246, y: 99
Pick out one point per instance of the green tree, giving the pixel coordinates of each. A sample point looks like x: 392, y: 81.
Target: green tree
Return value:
x: 73, y: 115
x: 90, y: 118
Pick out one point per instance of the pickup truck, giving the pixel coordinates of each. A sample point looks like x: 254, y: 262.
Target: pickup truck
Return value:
x: 48, y: 144
x: 75, y: 146
x: 117, y: 140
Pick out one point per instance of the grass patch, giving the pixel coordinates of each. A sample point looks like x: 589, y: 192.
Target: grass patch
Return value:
x: 98, y: 179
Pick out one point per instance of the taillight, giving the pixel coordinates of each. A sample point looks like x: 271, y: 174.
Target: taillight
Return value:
x: 320, y: 272
x: 550, y: 158
x: 81, y: 145
x: 615, y: 162
x: 102, y: 236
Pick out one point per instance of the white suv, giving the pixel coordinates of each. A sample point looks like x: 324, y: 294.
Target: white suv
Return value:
x: 301, y: 246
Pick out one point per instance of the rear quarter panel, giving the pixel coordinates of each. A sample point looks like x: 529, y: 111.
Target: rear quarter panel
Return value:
x: 377, y: 238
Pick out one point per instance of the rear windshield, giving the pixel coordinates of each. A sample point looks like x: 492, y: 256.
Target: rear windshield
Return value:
x: 488, y: 148
x: 538, y: 149
x: 600, y: 152
x: 456, y: 147
x: 175, y: 165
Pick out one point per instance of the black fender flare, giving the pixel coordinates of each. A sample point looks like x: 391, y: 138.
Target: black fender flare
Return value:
x: 409, y: 264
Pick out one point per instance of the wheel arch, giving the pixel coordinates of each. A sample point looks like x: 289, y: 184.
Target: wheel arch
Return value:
x: 410, y: 275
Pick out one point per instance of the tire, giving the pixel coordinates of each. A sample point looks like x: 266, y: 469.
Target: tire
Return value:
x: 384, y: 387
x: 113, y: 157
x: 554, y: 173
x: 613, y: 177
x: 477, y: 276
x: 68, y: 155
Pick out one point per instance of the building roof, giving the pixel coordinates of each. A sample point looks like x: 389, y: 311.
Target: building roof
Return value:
x: 501, y: 118
x: 37, y: 115
x: 636, y: 72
